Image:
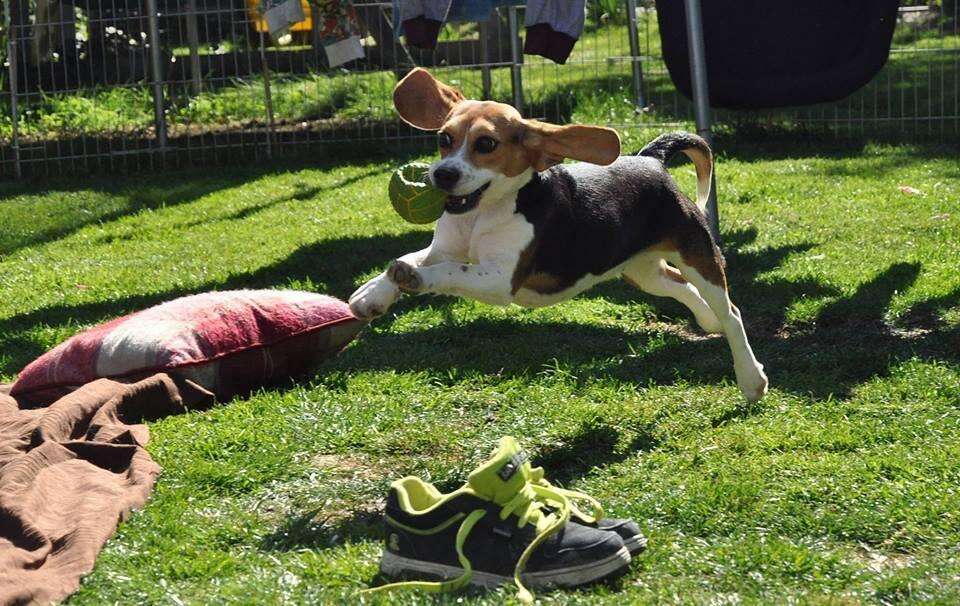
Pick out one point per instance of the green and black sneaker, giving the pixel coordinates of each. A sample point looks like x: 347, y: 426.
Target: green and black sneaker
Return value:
x: 498, y: 527
x: 628, y: 530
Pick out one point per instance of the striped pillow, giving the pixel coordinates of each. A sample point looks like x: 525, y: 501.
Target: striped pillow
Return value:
x: 228, y: 342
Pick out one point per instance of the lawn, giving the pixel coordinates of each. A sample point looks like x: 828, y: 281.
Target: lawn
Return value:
x: 841, y: 486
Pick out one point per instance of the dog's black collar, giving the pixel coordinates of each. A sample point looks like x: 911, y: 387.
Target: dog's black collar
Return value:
x: 464, y: 204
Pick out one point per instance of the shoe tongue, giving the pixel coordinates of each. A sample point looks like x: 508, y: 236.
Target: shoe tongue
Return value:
x: 504, y: 474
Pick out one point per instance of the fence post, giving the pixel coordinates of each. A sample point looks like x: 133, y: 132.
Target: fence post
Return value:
x: 193, y: 39
x: 485, y: 58
x: 316, y: 28
x: 701, y: 99
x: 12, y: 61
x: 516, y: 58
x: 635, y: 65
x: 156, y: 67
x: 267, y: 93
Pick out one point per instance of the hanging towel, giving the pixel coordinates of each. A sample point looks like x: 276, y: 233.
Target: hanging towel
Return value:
x: 472, y: 11
x: 553, y: 27
x: 339, y: 31
x: 281, y: 15
x: 420, y: 20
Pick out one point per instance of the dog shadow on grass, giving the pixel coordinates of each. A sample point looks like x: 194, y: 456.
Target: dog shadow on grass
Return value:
x: 849, y: 342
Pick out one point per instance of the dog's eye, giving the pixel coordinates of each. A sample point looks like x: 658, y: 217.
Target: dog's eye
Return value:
x: 485, y: 145
x: 444, y: 140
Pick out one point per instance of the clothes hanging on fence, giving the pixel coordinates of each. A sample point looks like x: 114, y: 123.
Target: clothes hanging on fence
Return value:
x: 281, y: 15
x: 473, y: 10
x: 420, y: 20
x: 553, y: 27
x: 335, y: 21
x: 339, y: 30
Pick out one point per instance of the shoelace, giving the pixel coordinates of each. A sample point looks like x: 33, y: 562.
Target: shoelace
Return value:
x: 528, y: 507
x: 538, y: 480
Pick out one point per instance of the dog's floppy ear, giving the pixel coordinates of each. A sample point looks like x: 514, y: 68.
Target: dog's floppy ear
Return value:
x: 549, y: 144
x: 423, y: 101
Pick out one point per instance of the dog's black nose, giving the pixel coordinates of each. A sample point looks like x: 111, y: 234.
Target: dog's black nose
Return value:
x: 446, y: 178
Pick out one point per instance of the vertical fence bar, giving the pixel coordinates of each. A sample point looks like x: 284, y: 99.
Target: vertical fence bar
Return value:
x: 267, y: 93
x: 516, y: 58
x: 156, y: 68
x: 12, y: 60
x: 193, y: 40
x: 701, y: 98
x: 635, y: 65
x: 316, y: 28
x: 485, y: 81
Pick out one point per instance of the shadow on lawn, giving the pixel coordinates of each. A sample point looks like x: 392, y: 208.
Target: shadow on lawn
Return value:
x: 162, y: 194
x: 810, y: 146
x: 567, y: 462
x: 303, y: 193
x: 310, y: 530
x: 847, y: 344
x: 156, y: 191
x: 334, y: 266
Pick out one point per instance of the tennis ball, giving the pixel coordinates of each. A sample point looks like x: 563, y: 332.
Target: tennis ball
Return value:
x: 413, y: 197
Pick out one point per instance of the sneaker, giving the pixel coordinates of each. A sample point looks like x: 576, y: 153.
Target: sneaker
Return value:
x: 498, y: 527
x: 628, y: 530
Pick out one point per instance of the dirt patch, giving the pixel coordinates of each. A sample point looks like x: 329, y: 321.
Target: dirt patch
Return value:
x: 881, y: 562
x: 687, y: 332
x: 352, y: 466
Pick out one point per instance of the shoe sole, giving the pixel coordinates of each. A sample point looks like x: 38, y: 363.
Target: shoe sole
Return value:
x: 393, y: 565
x: 635, y: 544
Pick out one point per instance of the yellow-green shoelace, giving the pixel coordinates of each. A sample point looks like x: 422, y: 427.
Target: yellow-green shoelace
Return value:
x: 573, y: 496
x: 526, y: 505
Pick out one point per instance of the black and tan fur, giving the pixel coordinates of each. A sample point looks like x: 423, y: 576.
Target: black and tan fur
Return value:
x: 523, y: 228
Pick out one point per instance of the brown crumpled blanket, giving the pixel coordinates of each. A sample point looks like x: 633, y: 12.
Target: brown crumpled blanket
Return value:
x: 70, y: 472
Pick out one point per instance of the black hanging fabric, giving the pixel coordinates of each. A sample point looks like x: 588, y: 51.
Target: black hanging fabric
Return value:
x: 776, y: 53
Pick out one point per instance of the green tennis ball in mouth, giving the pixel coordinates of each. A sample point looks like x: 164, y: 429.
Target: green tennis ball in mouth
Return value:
x: 412, y: 195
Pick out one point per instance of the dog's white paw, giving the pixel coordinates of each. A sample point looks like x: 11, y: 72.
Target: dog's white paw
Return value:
x: 405, y: 276
x: 374, y: 298
x: 753, y: 384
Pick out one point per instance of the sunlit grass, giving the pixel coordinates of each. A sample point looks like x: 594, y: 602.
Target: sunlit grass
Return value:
x: 840, y: 487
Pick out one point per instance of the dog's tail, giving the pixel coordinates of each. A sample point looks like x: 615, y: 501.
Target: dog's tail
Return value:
x: 667, y: 145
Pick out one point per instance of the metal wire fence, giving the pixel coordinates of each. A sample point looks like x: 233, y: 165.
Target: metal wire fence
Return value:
x: 110, y: 85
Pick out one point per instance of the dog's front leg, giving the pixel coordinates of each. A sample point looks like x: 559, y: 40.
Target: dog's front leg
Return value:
x: 488, y: 281
x: 374, y: 298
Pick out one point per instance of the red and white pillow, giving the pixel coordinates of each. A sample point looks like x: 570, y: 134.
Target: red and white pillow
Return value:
x: 229, y: 342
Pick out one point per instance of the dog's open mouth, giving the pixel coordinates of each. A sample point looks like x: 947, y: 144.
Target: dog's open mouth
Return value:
x: 457, y: 205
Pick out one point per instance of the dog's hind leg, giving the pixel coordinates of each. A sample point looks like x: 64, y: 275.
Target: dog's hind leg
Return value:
x: 700, y: 262
x: 651, y: 274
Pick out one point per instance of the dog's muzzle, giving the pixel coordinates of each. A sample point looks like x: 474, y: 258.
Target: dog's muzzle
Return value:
x: 457, y: 205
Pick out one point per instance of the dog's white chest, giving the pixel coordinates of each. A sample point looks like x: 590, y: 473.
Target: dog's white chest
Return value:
x: 495, y: 231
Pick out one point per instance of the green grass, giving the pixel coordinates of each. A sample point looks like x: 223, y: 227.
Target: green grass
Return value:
x: 841, y: 486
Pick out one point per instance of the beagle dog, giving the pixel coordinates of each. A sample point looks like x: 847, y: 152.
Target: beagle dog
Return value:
x: 520, y: 227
